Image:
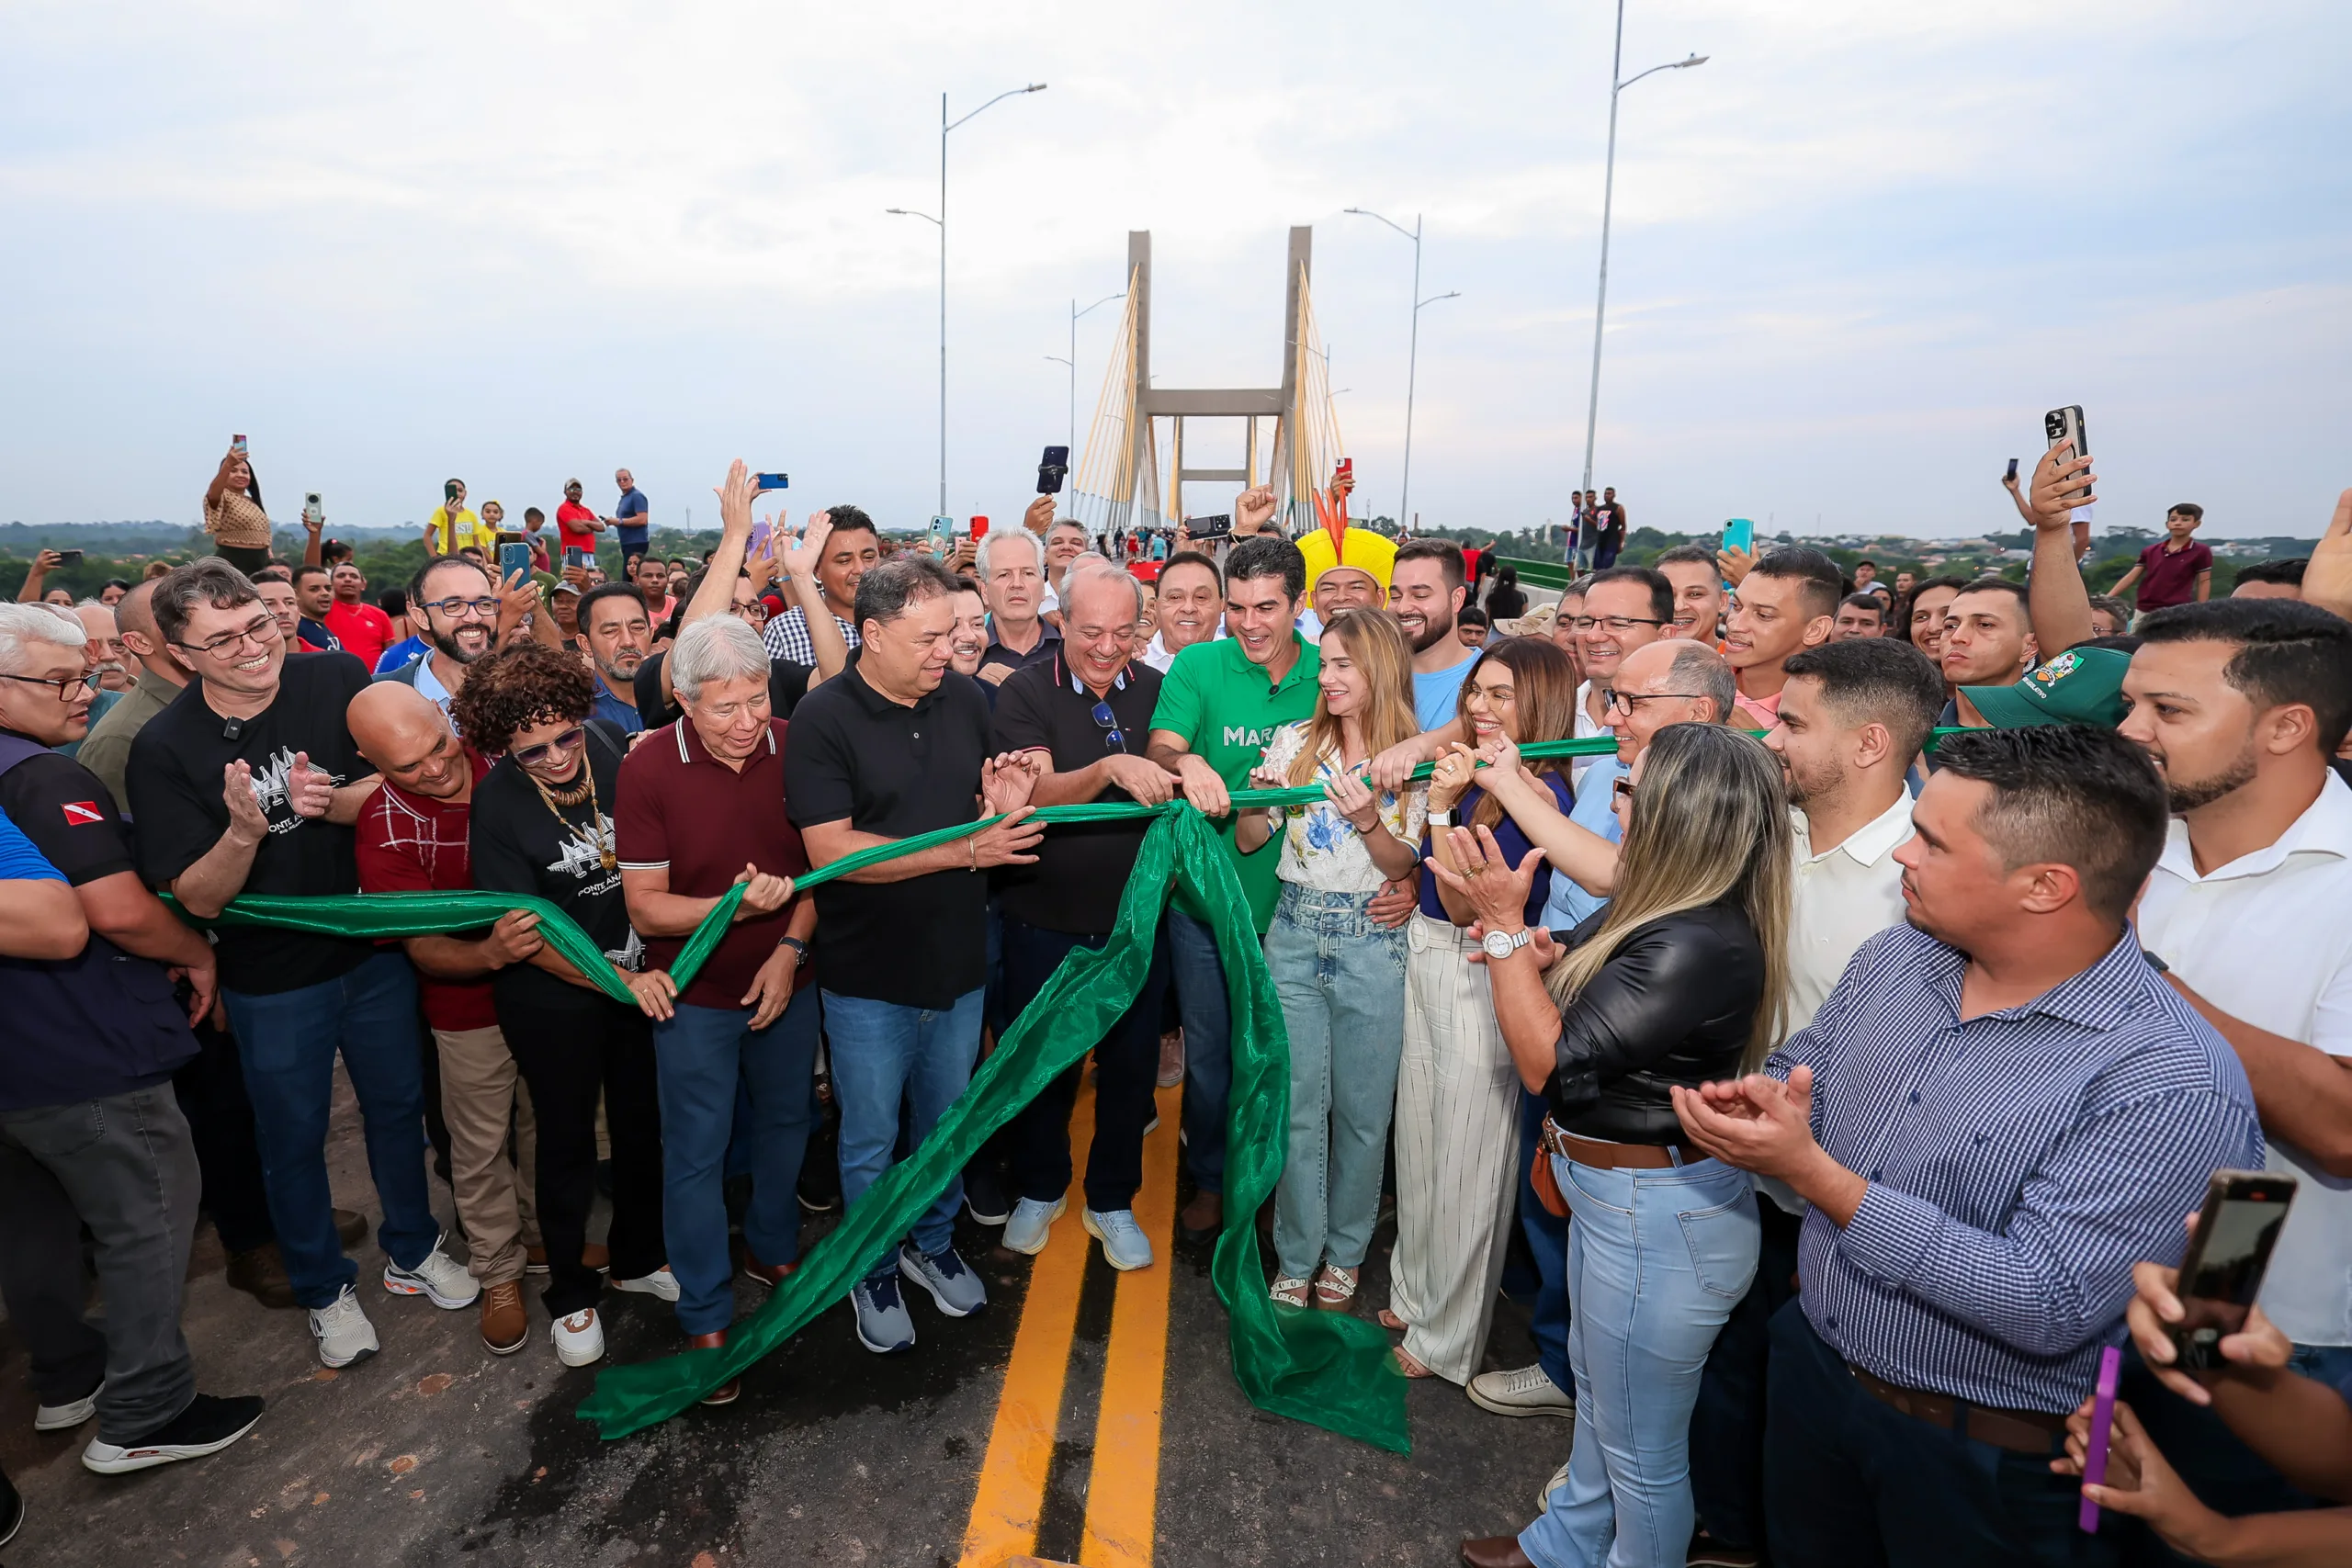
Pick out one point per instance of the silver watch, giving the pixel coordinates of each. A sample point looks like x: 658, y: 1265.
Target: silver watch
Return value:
x: 1500, y: 946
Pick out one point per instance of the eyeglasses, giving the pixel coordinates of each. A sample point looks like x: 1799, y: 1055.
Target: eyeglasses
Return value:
x: 67, y: 686
x: 755, y: 610
x: 532, y: 756
x: 260, y: 632
x: 1620, y: 792
x: 1109, y: 722
x: 1614, y: 623
x: 458, y: 609
x: 1612, y: 698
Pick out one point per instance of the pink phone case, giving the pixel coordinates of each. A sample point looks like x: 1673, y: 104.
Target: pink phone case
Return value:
x: 2111, y: 1367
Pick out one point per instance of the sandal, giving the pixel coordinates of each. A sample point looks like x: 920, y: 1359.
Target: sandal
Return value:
x: 1335, y: 1287
x: 1409, y: 1364
x: 1288, y: 1290
x: 1391, y: 1322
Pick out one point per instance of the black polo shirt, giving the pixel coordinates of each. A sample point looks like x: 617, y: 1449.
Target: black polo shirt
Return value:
x: 999, y: 656
x: 1081, y: 866
x: 894, y: 772
x: 103, y: 1023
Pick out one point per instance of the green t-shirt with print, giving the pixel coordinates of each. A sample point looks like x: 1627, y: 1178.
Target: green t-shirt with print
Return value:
x: 1226, y: 711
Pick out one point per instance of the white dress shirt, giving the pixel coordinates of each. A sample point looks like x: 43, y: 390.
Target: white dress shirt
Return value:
x: 2267, y: 938
x: 1844, y: 897
x: 1587, y: 728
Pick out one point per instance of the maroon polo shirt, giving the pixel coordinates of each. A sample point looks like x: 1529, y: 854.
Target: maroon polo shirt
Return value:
x: 681, y: 809
x: 2169, y: 577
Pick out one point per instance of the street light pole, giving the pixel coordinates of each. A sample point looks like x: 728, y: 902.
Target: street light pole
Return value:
x: 940, y: 222
x: 1608, y: 200
x: 1412, y: 354
x: 1072, y: 361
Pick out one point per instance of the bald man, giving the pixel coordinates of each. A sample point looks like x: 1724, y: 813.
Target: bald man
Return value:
x: 412, y: 836
x: 107, y: 752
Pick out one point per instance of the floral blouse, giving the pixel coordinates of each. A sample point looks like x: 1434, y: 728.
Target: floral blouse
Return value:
x: 1320, y: 847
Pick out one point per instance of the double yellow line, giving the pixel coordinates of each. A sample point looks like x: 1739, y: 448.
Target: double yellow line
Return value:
x: 1123, y: 1484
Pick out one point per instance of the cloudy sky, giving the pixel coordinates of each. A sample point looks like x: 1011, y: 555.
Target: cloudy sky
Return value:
x: 1856, y: 254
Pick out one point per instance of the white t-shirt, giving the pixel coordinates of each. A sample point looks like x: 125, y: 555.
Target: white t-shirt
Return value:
x: 1322, y: 849
x: 2267, y: 938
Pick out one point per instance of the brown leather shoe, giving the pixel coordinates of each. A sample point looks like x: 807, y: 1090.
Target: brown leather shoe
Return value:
x: 732, y: 1390
x: 1203, y: 1217
x: 505, y: 1326
x: 595, y: 1254
x: 261, y: 1274
x: 768, y: 1274
x: 1495, y: 1552
x: 351, y: 1225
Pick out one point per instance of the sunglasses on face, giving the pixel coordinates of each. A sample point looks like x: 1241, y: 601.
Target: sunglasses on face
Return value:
x: 533, y: 756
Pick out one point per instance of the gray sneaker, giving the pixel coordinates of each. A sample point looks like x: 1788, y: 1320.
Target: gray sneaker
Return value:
x: 1125, y: 1245
x: 1031, y: 1224
x: 882, y: 1323
x: 955, y: 1290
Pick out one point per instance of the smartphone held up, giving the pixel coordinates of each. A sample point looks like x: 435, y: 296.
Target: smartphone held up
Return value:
x: 2065, y: 426
x: 2229, y: 1249
x: 1052, y: 470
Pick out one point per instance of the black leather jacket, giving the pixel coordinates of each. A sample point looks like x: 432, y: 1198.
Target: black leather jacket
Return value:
x: 1672, y: 1006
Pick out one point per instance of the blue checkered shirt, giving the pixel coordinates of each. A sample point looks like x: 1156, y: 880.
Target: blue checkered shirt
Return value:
x: 787, y: 636
x: 2019, y: 1163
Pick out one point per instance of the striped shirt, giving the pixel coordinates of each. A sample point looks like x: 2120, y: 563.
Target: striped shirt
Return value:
x: 2019, y: 1163
x: 787, y: 636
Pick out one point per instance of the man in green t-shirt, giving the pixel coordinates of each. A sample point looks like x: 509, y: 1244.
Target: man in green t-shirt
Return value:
x: 1219, y: 704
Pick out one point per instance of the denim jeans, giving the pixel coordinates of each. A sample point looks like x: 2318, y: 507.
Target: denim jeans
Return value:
x: 1547, y: 1241
x: 1728, y: 1424
x: 1341, y: 979
x: 1657, y: 1261
x: 126, y: 1168
x: 288, y: 1042
x: 883, y: 1053
x: 701, y: 1053
x: 1126, y: 1065
x: 1199, y: 974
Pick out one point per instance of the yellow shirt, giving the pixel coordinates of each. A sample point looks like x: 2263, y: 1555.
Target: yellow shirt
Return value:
x: 468, y: 530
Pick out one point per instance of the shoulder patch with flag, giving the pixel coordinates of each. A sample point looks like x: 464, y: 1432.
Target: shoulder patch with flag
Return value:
x: 82, y: 813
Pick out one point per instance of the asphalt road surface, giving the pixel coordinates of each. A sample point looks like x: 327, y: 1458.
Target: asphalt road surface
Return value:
x: 1085, y: 1416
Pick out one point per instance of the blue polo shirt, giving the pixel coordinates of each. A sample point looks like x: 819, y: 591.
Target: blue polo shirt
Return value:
x: 632, y: 505
x: 613, y: 711
x: 1569, y: 905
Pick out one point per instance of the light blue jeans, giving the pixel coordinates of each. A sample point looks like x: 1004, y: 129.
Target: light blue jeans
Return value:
x: 1657, y: 1261
x: 883, y: 1053
x: 1341, y: 979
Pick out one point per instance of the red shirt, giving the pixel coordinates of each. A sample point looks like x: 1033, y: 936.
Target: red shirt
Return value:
x: 2169, y: 577
x: 681, y: 809
x: 412, y: 843
x: 572, y: 521
x: 362, y: 630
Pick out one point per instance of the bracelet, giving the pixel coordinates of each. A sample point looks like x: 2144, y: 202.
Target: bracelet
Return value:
x: 799, y: 948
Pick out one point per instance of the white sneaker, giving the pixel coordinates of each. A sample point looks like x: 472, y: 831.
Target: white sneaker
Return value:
x: 1031, y: 1224
x: 1522, y: 1391
x: 661, y: 1282
x: 439, y: 1280
x: 343, y: 1331
x: 579, y: 1339
x: 1559, y: 1479
x: 63, y: 1417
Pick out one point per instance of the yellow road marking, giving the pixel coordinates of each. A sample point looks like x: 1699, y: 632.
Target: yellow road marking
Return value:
x: 1123, y: 1489
x: 1012, y: 1491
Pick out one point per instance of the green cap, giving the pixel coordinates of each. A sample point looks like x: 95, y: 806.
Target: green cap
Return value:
x: 2082, y: 685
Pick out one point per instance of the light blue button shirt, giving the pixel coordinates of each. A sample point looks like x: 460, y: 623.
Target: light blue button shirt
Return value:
x: 1570, y: 906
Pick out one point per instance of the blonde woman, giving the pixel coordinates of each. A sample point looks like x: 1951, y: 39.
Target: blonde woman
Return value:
x: 1457, y: 1095
x: 1338, y: 972
x: 1682, y: 978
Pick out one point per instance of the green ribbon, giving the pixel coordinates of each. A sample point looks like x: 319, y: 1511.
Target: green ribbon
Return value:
x: 1332, y: 1370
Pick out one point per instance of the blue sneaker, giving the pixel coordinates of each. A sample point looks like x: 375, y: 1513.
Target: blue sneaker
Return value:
x: 1031, y: 1224
x: 884, y: 1326
x: 1125, y: 1245
x: 955, y: 1290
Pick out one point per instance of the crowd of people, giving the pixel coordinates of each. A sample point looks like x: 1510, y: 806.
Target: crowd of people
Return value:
x: 1846, y: 1089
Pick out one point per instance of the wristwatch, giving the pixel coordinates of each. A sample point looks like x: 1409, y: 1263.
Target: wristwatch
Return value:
x: 799, y: 948
x: 1500, y: 945
x: 1441, y: 818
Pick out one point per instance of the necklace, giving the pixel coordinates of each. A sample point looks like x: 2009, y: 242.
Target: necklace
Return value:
x: 596, y: 839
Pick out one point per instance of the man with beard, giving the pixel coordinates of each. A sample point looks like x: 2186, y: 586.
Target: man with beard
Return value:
x: 459, y: 614
x: 1853, y: 716
x: 313, y: 599
x: 619, y: 634
x: 1989, y: 641
x: 1427, y: 588
x: 2240, y: 703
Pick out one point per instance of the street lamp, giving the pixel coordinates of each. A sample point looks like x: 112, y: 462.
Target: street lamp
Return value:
x: 940, y: 222
x: 1072, y: 361
x: 1607, y: 196
x: 1412, y: 354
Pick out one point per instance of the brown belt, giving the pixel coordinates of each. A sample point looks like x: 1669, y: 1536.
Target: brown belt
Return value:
x: 2019, y: 1432
x: 1603, y: 1155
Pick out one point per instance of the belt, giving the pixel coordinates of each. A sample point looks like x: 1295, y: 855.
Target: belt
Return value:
x: 1602, y: 1156
x: 2019, y: 1432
